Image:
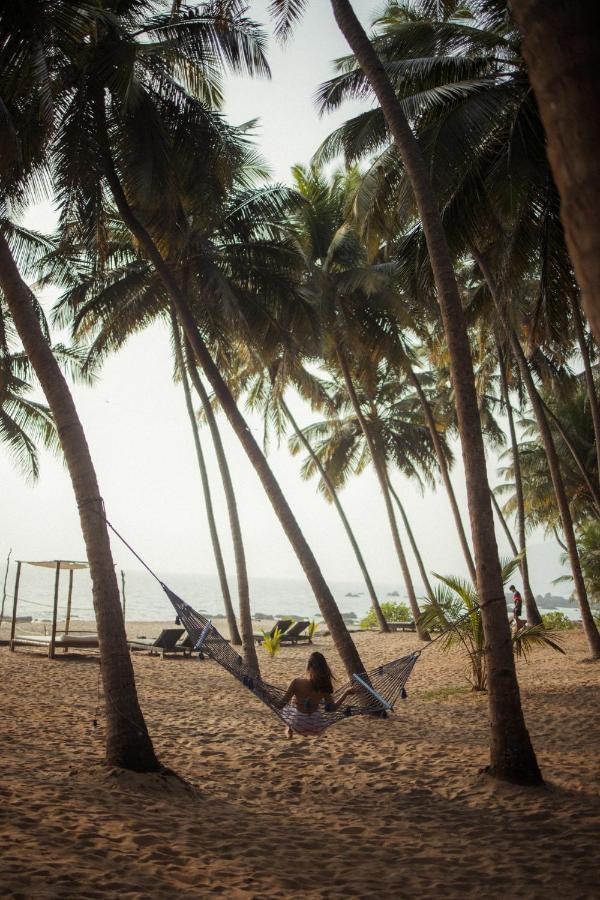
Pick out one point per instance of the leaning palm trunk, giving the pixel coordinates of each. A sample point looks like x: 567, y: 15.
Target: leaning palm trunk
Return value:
x: 511, y: 541
x: 128, y: 743
x: 234, y: 518
x: 591, y: 631
x: 444, y: 471
x: 589, y: 376
x: 383, y: 625
x: 381, y: 471
x: 412, y: 541
x: 210, y: 514
x: 533, y: 613
x: 341, y: 636
x: 561, y: 44
x: 511, y: 753
x: 590, y: 483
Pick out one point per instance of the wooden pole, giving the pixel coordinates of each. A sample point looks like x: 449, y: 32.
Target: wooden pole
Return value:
x: 123, y: 591
x: 4, y: 588
x: 54, y: 610
x: 14, y: 612
x: 69, y: 599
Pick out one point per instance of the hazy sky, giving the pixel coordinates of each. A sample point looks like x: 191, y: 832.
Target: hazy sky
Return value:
x: 139, y: 434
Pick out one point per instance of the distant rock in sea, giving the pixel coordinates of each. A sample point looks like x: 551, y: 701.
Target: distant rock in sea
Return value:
x: 393, y: 594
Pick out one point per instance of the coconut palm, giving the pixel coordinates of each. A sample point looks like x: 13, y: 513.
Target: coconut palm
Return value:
x: 561, y: 45
x: 212, y: 525
x: 501, y: 131
x: 512, y: 755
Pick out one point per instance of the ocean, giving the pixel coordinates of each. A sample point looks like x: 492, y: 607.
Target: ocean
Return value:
x: 146, y: 602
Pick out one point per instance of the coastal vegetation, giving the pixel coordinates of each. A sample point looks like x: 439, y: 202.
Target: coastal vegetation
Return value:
x: 412, y: 284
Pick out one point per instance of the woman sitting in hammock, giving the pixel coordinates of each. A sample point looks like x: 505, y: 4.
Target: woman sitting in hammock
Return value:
x: 304, y: 696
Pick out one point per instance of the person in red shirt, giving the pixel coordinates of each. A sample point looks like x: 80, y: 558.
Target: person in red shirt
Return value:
x: 517, y: 608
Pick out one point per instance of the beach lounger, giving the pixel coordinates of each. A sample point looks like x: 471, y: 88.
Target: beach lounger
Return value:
x: 295, y: 634
x: 282, y: 624
x: 402, y: 626
x: 164, y: 643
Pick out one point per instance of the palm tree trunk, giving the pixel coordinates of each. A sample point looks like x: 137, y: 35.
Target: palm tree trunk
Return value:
x: 412, y: 541
x: 511, y: 541
x: 382, y: 476
x: 383, y: 625
x: 341, y: 636
x: 589, y: 376
x: 533, y: 613
x: 511, y: 753
x: 210, y: 514
x: 589, y: 626
x: 589, y: 482
x: 561, y: 44
x: 128, y: 743
x: 234, y: 519
x: 444, y: 471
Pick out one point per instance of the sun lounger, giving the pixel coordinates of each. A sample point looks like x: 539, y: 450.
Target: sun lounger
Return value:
x: 402, y: 626
x: 164, y: 643
x: 295, y: 634
x: 282, y: 624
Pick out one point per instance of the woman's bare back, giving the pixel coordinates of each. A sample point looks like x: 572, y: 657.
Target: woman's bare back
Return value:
x: 304, y: 696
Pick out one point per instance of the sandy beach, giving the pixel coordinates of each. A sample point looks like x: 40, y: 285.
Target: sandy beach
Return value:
x: 391, y: 808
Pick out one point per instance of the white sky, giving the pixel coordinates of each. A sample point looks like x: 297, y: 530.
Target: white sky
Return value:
x: 137, y: 427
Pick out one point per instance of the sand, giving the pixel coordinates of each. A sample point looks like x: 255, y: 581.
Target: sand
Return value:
x: 393, y: 808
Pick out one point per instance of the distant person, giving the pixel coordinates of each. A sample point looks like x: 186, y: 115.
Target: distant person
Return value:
x: 301, y: 704
x: 517, y: 608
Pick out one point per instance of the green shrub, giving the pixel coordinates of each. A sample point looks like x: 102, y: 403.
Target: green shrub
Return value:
x: 393, y: 612
x: 557, y: 621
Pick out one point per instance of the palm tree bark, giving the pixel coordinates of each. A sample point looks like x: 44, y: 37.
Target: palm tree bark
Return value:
x: 588, y: 374
x: 383, y: 625
x: 381, y: 471
x: 412, y: 541
x: 341, y: 636
x: 511, y: 753
x: 561, y: 44
x: 533, y: 613
x: 128, y: 744
x: 511, y: 541
x: 589, y: 626
x: 589, y: 481
x: 444, y: 471
x: 210, y: 514
x: 248, y: 645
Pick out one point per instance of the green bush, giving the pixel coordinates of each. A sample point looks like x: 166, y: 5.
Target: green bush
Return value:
x: 557, y: 621
x: 393, y: 612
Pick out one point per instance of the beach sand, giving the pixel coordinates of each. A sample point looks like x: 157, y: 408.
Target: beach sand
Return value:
x: 381, y: 809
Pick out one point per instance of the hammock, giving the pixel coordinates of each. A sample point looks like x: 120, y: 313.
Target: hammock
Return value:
x: 375, y: 692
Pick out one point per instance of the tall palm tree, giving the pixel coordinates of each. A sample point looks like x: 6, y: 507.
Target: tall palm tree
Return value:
x: 30, y: 96
x: 561, y: 43
x: 163, y: 80
x: 512, y: 755
x: 128, y: 743
x: 212, y: 525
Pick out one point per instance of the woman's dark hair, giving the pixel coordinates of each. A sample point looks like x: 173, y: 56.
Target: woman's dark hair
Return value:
x: 319, y: 673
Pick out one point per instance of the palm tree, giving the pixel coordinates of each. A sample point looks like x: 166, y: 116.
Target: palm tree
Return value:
x: 30, y: 96
x: 512, y: 755
x: 561, y: 44
x: 590, y: 628
x: 212, y: 525
x: 128, y: 743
